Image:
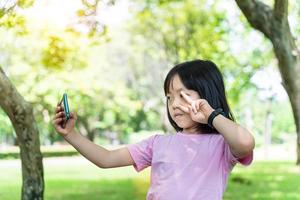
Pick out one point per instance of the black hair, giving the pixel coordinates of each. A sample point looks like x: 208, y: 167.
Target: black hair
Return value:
x: 204, y: 77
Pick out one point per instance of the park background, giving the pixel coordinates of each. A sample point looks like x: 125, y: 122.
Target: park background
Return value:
x: 111, y: 57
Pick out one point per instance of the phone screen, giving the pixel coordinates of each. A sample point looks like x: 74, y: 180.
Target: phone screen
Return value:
x: 65, y: 105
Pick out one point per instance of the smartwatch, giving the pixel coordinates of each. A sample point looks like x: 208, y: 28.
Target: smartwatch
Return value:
x: 213, y: 115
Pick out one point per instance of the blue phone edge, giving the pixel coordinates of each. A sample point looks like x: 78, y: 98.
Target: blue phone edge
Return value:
x: 66, y: 105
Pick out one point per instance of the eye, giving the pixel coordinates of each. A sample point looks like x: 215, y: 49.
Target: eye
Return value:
x: 186, y: 95
x: 170, y: 98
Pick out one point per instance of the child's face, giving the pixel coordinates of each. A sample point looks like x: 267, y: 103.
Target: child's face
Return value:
x: 175, y: 100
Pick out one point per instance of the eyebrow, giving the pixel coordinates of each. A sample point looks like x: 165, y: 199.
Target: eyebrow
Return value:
x: 179, y: 90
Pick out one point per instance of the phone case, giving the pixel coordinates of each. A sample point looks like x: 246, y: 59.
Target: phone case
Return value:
x: 64, y: 103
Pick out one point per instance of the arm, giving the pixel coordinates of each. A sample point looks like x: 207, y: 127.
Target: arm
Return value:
x: 240, y: 140
x: 96, y: 154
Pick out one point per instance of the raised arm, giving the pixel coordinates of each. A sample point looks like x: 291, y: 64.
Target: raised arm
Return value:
x: 98, y: 155
x: 240, y: 140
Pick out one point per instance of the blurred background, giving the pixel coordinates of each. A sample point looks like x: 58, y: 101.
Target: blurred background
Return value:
x: 111, y: 57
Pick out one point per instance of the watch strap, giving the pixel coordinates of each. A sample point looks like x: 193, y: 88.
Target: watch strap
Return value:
x: 213, y: 115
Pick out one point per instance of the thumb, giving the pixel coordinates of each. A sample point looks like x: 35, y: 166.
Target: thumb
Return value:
x: 73, y: 115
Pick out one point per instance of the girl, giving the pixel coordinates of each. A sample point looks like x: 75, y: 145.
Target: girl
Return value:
x: 194, y: 163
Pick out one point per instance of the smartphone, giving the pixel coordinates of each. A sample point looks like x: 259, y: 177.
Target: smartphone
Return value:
x: 65, y: 105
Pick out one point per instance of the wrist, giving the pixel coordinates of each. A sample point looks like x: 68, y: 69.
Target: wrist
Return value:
x: 69, y: 135
x: 213, y: 115
x: 209, y: 113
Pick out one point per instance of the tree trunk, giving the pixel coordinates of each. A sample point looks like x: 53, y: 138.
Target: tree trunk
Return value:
x: 273, y: 23
x: 20, y: 113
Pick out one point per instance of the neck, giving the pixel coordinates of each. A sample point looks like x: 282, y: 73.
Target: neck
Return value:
x: 190, y: 131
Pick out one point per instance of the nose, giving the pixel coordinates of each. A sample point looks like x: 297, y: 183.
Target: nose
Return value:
x: 176, y: 102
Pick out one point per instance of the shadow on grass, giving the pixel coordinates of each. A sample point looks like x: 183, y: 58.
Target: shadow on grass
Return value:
x: 265, y: 180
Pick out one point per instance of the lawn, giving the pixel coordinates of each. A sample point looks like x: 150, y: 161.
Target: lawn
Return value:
x: 76, y: 178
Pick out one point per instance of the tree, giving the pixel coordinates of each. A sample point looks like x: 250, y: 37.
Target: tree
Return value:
x: 274, y: 24
x: 21, y: 115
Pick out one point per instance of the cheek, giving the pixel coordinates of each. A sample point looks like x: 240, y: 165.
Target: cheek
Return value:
x: 170, y: 109
x: 195, y: 96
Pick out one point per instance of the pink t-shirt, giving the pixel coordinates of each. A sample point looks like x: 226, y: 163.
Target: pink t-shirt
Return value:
x: 186, y: 166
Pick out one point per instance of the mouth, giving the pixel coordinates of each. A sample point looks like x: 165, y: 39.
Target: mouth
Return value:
x: 177, y: 115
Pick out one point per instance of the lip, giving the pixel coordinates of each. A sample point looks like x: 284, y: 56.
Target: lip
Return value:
x: 176, y: 115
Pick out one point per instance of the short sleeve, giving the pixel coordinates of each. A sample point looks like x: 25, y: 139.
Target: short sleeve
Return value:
x: 141, y: 153
x: 231, y: 160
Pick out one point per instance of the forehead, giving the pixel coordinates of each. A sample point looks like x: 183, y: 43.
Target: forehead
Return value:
x: 176, y: 84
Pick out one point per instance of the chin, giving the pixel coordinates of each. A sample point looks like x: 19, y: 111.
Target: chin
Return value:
x: 181, y: 125
x: 184, y: 125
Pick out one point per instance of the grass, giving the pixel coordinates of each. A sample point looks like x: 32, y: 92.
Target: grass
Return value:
x: 76, y: 178
x: 265, y: 180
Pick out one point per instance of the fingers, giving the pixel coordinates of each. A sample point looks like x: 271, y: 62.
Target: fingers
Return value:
x: 59, y: 114
x: 199, y: 103
x: 58, y: 118
x: 197, y: 107
x: 184, y: 109
x: 74, y: 114
x: 57, y: 121
x: 189, y: 109
x: 190, y: 101
x: 58, y: 125
x: 186, y: 97
x: 194, y: 109
x: 58, y: 108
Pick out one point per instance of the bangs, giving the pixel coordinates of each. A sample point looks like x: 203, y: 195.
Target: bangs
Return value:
x: 169, y: 81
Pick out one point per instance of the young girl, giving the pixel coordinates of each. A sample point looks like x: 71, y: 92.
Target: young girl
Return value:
x: 194, y: 163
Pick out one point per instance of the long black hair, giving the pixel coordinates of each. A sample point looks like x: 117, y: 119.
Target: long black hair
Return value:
x: 204, y: 77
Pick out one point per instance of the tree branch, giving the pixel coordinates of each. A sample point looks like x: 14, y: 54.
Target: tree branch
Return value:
x: 281, y: 9
x: 258, y: 14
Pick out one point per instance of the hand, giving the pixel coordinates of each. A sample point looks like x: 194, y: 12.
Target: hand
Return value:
x: 198, y: 109
x: 58, y: 120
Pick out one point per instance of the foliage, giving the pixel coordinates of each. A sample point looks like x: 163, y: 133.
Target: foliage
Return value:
x: 280, y: 110
x: 116, y: 85
x: 185, y: 30
x: 11, y: 19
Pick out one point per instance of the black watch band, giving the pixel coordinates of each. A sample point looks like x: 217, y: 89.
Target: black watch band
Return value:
x: 213, y: 115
